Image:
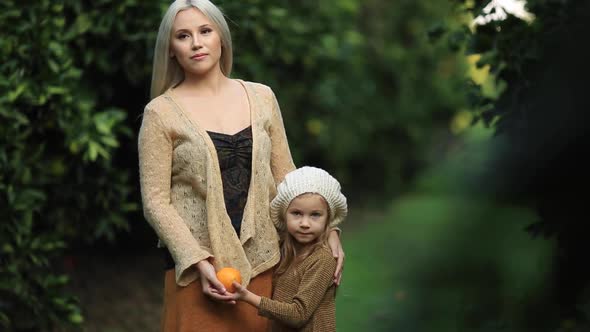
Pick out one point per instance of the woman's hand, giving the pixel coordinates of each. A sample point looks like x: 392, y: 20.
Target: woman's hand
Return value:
x: 338, y: 253
x: 212, y: 287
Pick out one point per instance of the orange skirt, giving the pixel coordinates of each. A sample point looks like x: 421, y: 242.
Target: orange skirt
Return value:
x: 188, y: 309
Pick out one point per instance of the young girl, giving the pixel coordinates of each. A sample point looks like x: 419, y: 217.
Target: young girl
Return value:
x: 308, y: 203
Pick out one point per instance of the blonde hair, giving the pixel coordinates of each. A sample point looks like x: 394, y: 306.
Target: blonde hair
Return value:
x: 289, y: 254
x: 166, y: 71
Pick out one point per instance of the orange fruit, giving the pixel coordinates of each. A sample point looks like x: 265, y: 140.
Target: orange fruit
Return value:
x: 227, y: 275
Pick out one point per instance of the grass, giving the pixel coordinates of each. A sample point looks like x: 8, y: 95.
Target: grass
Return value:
x: 439, y: 263
x: 443, y: 257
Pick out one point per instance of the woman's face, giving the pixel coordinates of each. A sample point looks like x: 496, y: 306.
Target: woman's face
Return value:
x: 195, y: 42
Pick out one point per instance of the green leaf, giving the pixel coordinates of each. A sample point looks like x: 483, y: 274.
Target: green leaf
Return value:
x: 60, y: 301
x: 7, y: 248
x: 57, y: 8
x: 59, y: 22
x: 13, y: 95
x: 109, y: 141
x: 56, y: 90
x: 129, y: 207
x: 82, y: 24
x: 53, y: 66
x: 12, y: 13
x: 56, y: 48
x: 92, y: 150
x: 74, y: 147
x: 73, y: 73
x: 277, y: 12
x: 76, y: 318
x: 102, y: 125
x: 103, y: 152
x: 57, y: 167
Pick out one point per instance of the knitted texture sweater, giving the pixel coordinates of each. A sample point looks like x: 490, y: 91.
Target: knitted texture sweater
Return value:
x: 304, y: 297
x: 182, y: 191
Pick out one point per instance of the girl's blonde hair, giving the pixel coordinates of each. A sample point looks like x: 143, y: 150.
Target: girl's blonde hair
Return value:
x: 166, y: 71
x: 289, y: 254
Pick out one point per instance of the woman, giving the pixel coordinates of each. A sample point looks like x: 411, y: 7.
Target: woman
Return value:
x: 211, y: 151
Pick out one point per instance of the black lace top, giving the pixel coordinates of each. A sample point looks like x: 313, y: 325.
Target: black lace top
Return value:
x: 235, y: 162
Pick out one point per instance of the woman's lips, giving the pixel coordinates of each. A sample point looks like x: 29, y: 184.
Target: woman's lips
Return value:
x: 199, y: 56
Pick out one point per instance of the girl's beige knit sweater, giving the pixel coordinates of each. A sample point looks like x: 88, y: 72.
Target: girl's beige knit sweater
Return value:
x: 303, y: 299
x: 182, y: 192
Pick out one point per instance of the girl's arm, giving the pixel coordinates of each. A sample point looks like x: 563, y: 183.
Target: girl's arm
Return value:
x: 315, y: 282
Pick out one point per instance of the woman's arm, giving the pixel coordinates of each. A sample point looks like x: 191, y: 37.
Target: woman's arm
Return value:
x: 155, y: 169
x: 338, y: 253
x: 281, y: 161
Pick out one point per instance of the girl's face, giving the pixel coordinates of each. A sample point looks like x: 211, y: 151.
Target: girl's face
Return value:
x: 306, y: 218
x: 195, y: 42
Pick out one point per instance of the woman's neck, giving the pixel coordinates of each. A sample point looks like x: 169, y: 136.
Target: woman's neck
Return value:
x: 208, y: 84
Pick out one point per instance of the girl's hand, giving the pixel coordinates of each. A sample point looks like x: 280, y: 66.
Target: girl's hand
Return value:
x: 338, y: 253
x: 243, y: 294
x: 211, y: 285
x: 241, y: 291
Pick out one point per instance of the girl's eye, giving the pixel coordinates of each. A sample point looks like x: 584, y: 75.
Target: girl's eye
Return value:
x: 316, y: 214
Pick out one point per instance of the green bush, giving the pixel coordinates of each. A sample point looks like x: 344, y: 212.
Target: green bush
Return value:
x: 58, y: 183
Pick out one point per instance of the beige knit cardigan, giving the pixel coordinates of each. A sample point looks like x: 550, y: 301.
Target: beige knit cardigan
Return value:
x: 182, y: 192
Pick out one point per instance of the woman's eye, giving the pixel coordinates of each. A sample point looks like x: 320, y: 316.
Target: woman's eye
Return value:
x: 182, y: 36
x: 206, y: 31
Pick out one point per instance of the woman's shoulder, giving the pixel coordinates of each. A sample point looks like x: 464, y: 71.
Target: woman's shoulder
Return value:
x: 160, y: 102
x: 161, y: 105
x: 259, y: 88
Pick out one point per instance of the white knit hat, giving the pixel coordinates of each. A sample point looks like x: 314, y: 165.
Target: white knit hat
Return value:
x: 304, y: 180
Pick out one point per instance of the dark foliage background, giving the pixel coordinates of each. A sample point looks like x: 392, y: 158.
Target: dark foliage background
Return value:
x: 461, y: 148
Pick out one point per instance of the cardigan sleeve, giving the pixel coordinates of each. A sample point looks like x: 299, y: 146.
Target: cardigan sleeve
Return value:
x: 281, y: 161
x: 315, y: 282
x: 155, y: 173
